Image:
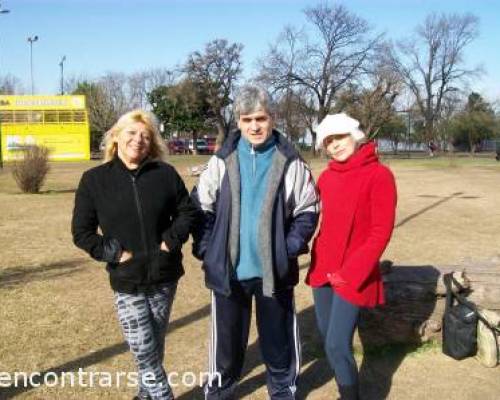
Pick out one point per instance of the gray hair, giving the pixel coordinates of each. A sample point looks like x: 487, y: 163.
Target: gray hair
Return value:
x: 253, y: 98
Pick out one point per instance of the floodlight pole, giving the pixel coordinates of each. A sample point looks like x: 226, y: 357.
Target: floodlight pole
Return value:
x: 2, y: 11
x: 31, y: 40
x: 61, y: 64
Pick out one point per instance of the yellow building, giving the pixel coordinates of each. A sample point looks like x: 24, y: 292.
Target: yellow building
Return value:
x: 57, y: 122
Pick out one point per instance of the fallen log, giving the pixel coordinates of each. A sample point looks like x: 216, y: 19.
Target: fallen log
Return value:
x: 415, y: 301
x: 484, y: 285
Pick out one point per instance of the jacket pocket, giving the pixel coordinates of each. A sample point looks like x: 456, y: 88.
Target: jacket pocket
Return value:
x: 281, y: 259
x: 166, y: 266
x: 132, y: 270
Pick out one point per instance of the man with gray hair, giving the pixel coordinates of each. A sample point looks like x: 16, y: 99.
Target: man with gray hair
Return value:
x: 260, y: 209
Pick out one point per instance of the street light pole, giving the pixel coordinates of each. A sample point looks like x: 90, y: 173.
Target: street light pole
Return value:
x: 61, y: 64
x: 2, y: 11
x: 31, y: 40
x: 408, y: 131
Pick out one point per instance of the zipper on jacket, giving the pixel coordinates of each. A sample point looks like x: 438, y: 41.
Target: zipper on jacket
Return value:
x: 141, y: 220
x: 254, y: 156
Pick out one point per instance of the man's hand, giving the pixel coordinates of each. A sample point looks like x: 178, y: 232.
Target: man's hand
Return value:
x: 164, y: 247
x: 126, y: 255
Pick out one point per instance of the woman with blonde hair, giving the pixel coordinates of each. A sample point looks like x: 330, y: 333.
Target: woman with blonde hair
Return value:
x: 157, y: 147
x: 358, y: 201
x: 144, y: 213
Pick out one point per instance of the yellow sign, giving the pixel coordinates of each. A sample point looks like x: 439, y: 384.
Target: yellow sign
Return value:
x: 63, y: 144
x: 42, y: 102
x: 59, y: 123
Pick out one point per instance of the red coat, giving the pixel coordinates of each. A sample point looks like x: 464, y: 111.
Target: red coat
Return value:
x: 358, y: 200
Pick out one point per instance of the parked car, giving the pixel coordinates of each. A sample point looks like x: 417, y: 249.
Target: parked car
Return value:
x: 201, y: 146
x: 177, y: 146
x: 211, y: 144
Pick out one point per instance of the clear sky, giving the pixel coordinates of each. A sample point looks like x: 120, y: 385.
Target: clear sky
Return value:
x: 130, y: 35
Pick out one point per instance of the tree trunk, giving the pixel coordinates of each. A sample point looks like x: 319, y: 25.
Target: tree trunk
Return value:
x: 471, y: 144
x: 395, y: 146
x: 313, y: 136
x: 429, y: 129
x: 221, y: 133
x: 485, y: 285
x: 195, y: 142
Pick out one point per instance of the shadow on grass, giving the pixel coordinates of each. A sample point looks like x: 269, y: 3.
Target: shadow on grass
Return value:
x: 48, y: 192
x: 388, y: 334
x: 10, y: 277
x: 379, y: 364
x: 311, y: 351
x: 427, y: 208
x: 58, y: 191
x: 380, y: 361
x: 95, y: 357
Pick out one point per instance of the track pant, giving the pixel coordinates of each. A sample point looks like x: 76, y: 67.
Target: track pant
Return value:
x: 144, y: 320
x: 278, y: 340
x: 337, y: 320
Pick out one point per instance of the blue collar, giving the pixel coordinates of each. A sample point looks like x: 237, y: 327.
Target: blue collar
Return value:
x: 245, y: 145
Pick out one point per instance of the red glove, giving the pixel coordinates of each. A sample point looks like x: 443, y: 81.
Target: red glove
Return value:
x: 336, y: 280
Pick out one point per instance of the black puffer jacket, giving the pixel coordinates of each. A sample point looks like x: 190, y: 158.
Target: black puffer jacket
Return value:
x: 135, y: 212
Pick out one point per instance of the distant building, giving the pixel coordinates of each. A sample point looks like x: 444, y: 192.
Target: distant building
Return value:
x: 59, y: 123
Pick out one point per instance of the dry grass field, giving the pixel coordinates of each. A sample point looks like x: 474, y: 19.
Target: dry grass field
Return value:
x: 56, y: 311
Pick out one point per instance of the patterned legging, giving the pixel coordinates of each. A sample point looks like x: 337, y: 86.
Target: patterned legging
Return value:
x: 144, y: 320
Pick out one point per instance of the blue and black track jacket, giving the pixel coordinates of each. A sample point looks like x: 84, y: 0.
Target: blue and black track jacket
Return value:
x: 286, y: 224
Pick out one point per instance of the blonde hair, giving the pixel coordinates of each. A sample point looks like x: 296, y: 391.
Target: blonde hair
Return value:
x: 158, y: 149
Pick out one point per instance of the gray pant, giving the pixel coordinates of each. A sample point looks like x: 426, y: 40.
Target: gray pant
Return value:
x: 144, y: 320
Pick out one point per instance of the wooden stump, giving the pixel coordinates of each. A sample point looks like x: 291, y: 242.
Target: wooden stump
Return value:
x: 487, y: 340
x: 415, y: 301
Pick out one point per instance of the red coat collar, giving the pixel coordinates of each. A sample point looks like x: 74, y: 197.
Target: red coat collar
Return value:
x: 366, y: 154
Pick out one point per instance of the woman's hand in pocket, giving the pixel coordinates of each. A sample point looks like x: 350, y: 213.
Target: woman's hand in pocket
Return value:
x: 126, y: 255
x: 164, y: 247
x: 336, y: 280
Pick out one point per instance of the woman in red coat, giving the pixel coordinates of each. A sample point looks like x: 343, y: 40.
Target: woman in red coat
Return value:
x: 358, y: 198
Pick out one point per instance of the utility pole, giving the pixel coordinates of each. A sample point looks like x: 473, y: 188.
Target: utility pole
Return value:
x: 61, y: 64
x: 2, y: 11
x: 31, y: 40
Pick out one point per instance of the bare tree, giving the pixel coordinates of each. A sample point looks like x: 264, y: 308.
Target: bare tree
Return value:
x: 106, y: 100
x: 293, y: 115
x: 216, y: 71
x: 432, y: 63
x: 10, y: 84
x: 116, y: 94
x: 451, y: 106
x: 159, y: 77
x: 141, y: 83
x: 322, y: 59
x: 136, y: 84
x: 372, y: 99
x: 113, y: 94
x: 72, y: 82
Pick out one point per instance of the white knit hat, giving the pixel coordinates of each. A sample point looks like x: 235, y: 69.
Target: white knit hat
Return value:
x: 338, y: 124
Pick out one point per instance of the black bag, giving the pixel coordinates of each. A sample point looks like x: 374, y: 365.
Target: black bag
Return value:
x: 459, y: 326
x: 460, y: 323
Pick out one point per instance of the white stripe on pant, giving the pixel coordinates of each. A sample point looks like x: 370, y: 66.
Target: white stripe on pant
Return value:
x: 278, y: 340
